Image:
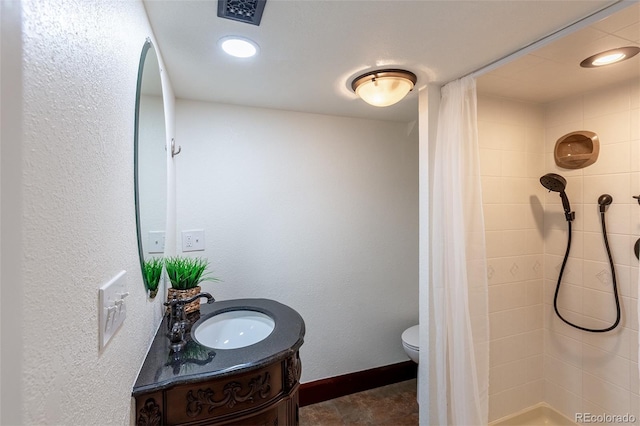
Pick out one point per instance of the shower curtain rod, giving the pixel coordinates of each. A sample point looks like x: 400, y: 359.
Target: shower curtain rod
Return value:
x: 577, y: 25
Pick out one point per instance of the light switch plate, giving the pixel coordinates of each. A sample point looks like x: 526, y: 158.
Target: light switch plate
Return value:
x: 156, y: 242
x: 112, y: 309
x: 193, y: 240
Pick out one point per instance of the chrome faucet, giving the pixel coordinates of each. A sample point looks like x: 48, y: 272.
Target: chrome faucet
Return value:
x: 178, y: 322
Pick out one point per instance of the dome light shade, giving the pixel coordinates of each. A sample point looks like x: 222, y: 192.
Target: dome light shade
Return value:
x: 610, y: 57
x: 384, y: 87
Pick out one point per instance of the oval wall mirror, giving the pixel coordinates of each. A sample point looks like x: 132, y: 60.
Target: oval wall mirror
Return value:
x: 150, y: 168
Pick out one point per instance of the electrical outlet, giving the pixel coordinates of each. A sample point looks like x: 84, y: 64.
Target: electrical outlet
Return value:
x: 193, y: 240
x: 156, y: 242
x: 112, y: 309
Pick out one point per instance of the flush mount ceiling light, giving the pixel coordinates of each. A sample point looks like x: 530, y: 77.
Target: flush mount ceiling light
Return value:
x: 239, y: 47
x: 382, y: 88
x: 610, y: 57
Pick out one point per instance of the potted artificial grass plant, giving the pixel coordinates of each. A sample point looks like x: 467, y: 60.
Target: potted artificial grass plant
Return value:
x: 185, y: 275
x: 152, y: 272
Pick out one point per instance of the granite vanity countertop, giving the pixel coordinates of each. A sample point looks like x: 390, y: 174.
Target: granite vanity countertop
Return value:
x: 163, y: 368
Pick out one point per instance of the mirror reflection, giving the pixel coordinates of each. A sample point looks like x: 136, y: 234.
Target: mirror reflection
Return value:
x: 150, y: 168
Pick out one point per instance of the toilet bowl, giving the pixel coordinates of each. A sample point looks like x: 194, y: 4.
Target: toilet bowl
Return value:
x: 411, y: 342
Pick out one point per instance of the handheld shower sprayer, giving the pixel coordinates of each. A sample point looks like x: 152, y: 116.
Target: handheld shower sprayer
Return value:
x: 556, y: 183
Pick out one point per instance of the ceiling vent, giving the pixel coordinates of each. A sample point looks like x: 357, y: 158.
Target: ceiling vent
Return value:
x: 249, y: 11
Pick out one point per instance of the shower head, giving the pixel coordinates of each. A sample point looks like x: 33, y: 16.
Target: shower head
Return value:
x: 553, y: 182
x: 556, y: 183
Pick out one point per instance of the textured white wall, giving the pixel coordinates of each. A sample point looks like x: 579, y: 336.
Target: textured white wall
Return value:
x: 318, y: 212
x: 80, y: 62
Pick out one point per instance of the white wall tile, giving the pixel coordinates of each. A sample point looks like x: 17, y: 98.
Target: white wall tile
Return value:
x: 631, y: 314
x: 509, y: 375
x: 512, y: 138
x: 606, y: 366
x: 534, y: 137
x: 635, y: 148
x: 612, y: 157
x: 634, y: 382
x: 617, y: 217
x: 564, y: 111
x: 632, y: 339
x: 563, y: 374
x: 564, y: 348
x: 515, y: 190
x: 599, y: 305
x: 561, y: 399
x: 535, y: 368
x: 490, y: 162
x: 555, y: 132
x: 634, y: 409
x: 635, y: 124
x: 617, y: 185
x: 536, y: 166
x: 614, y: 399
x: 616, y: 342
x: 597, y: 276
x: 489, y: 136
x: 497, y: 298
x: 622, y: 249
x: 493, y: 244
x: 515, y: 242
x: 610, y: 128
x: 489, y: 109
x: 491, y: 189
x: 514, y: 164
x: 534, y: 291
x: 634, y: 93
x: 555, y: 326
x: 603, y: 102
x: 492, y: 217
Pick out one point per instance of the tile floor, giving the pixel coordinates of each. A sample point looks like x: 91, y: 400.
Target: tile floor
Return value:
x: 392, y: 405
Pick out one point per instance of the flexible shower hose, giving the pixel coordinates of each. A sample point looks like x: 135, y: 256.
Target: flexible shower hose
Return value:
x: 613, y: 275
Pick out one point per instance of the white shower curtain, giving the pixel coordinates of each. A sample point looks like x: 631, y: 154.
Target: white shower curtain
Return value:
x: 459, y: 277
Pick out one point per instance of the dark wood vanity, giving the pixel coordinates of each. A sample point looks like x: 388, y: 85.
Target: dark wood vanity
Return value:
x: 256, y: 385
x: 266, y: 396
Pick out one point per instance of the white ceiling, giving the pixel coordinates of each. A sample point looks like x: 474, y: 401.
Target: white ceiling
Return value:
x: 553, y: 71
x: 310, y: 50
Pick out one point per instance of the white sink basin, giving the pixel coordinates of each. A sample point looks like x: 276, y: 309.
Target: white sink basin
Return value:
x: 234, y: 329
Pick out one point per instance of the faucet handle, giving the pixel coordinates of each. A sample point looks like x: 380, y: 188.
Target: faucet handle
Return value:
x: 173, y: 302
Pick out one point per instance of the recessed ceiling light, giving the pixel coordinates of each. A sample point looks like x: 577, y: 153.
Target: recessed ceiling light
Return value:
x: 239, y: 47
x: 610, y: 57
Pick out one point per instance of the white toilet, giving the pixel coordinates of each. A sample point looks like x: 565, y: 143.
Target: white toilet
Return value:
x: 411, y: 342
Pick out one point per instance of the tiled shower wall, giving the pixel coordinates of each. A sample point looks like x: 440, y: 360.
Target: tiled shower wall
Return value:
x: 534, y: 356
x: 511, y: 138
x: 594, y: 372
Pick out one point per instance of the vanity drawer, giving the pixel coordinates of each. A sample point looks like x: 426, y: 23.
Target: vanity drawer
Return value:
x: 219, y: 398
x: 267, y: 417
